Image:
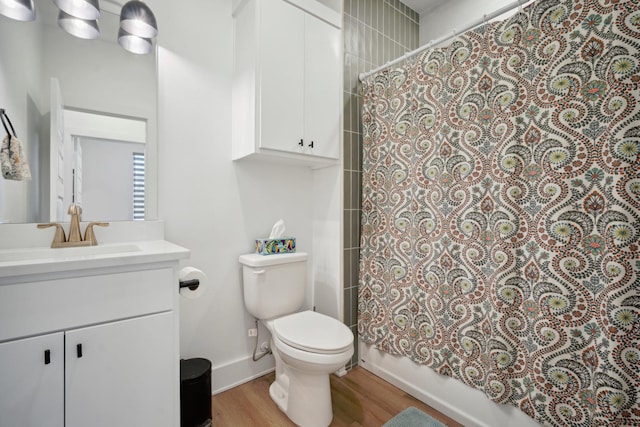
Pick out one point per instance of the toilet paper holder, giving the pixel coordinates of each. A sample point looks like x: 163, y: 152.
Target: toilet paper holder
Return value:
x: 192, y: 284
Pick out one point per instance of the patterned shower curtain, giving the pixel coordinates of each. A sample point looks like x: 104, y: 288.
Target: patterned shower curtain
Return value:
x: 501, y: 211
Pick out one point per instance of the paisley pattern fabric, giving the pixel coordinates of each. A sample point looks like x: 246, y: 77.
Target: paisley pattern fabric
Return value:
x: 501, y: 211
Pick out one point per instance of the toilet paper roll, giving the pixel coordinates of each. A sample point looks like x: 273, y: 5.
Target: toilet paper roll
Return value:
x: 190, y: 273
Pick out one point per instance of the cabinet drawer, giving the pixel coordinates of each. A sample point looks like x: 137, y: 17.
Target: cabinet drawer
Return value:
x: 52, y: 305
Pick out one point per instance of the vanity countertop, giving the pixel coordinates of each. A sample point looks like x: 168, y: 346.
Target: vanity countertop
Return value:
x: 41, y: 260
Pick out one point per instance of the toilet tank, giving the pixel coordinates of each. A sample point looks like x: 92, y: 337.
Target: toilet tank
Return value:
x: 274, y: 285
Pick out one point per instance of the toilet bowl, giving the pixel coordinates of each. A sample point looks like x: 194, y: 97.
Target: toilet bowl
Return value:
x: 307, y: 346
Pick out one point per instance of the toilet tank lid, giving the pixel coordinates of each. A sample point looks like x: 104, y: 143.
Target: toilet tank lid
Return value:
x: 257, y: 260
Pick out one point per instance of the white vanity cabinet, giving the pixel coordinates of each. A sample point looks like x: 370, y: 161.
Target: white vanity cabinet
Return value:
x: 287, y: 81
x: 91, y: 346
x: 126, y: 363
x: 32, y: 381
x: 113, y: 374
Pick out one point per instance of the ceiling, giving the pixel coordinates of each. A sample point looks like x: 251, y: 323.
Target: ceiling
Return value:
x: 423, y: 6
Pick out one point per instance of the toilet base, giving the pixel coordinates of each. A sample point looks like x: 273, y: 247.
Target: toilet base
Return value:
x: 302, y: 389
x: 278, y: 395
x: 305, y: 399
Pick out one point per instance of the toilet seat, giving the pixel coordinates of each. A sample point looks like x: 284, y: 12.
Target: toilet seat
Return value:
x: 313, y: 332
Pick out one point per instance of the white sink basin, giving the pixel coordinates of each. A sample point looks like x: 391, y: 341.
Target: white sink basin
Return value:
x: 18, y: 263
x: 51, y: 254
x: 25, y: 254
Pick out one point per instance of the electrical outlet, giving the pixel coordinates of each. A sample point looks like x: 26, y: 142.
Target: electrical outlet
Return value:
x: 253, y: 332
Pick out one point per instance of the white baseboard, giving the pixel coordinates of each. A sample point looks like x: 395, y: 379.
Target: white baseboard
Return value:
x: 232, y: 374
x: 453, y: 398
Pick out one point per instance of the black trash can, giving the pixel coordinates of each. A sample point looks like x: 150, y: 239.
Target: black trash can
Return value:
x: 195, y: 393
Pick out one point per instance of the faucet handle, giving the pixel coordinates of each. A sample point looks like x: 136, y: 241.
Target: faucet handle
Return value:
x: 59, y: 238
x: 74, y: 227
x: 89, y: 235
x: 74, y: 209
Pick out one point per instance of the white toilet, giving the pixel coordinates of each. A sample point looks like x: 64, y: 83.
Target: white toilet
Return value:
x: 307, y: 346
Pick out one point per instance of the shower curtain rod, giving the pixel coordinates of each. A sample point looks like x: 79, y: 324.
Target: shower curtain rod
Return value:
x: 471, y: 25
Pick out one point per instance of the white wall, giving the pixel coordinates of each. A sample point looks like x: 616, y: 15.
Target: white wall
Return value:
x: 99, y: 75
x: 328, y: 247
x: 212, y: 205
x: 20, y: 96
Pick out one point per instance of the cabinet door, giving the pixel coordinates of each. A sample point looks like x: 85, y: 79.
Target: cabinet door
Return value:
x: 281, y: 116
x: 322, y: 88
x: 31, y: 383
x: 121, y: 373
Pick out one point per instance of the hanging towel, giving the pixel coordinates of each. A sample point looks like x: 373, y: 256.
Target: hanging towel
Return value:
x: 13, y: 161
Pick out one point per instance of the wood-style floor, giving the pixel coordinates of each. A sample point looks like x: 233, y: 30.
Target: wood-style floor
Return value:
x: 360, y: 399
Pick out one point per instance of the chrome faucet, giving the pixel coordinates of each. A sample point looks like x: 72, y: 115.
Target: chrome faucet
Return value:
x: 75, y: 237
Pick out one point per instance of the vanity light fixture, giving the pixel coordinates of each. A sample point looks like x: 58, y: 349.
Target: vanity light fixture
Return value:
x: 20, y: 10
x: 83, y: 9
x: 134, y: 44
x: 82, y: 28
x: 137, y: 19
x: 138, y: 25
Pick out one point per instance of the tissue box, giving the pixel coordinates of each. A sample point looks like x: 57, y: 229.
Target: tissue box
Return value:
x: 282, y: 245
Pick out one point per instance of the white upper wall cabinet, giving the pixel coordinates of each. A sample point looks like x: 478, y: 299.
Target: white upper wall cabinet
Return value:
x: 323, y: 88
x: 287, y: 81
x: 281, y: 74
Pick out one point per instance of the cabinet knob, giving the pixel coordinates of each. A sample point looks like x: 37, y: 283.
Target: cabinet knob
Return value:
x: 47, y: 357
x: 79, y: 350
x: 301, y: 143
x: 311, y: 145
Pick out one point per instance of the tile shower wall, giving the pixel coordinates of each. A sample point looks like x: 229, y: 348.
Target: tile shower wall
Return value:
x: 375, y: 32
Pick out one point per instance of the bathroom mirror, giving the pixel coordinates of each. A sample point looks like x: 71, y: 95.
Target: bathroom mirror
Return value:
x: 96, y: 77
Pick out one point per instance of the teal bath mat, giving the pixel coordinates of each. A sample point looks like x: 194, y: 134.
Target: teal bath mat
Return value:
x: 412, y: 417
